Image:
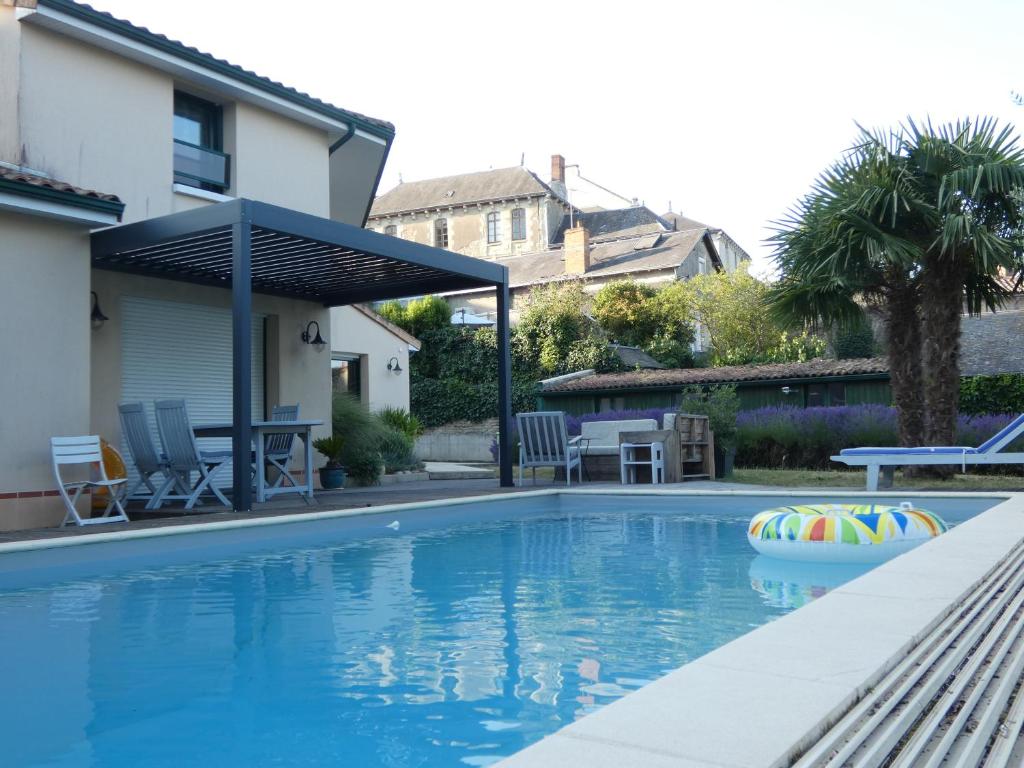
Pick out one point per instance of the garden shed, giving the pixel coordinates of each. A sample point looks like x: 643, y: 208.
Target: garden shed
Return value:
x: 812, y: 383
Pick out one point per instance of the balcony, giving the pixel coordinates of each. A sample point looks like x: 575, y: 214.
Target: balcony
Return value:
x: 201, y: 167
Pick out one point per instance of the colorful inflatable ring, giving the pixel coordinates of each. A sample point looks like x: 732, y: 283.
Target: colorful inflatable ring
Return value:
x: 842, y: 533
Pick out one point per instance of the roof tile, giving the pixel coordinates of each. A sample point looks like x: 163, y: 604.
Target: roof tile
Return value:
x: 462, y: 189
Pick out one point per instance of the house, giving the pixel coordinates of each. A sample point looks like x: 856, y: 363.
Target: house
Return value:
x: 239, y: 203
x: 511, y: 216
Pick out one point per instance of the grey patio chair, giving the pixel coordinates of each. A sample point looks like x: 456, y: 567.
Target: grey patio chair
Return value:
x: 278, y: 448
x: 148, y: 462
x: 184, y: 457
x: 544, y: 442
x: 69, y: 451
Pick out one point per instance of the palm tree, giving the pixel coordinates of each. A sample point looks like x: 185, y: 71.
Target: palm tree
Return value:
x: 838, y: 252
x: 918, y: 223
x: 969, y: 176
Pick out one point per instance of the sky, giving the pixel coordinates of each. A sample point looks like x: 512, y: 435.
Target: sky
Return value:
x: 727, y: 109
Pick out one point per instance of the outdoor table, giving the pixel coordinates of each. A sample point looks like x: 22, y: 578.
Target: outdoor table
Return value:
x: 260, y: 429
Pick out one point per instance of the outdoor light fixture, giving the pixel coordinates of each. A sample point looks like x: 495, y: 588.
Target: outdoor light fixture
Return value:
x: 97, y: 318
x: 315, y: 339
x: 394, y: 366
x: 788, y: 390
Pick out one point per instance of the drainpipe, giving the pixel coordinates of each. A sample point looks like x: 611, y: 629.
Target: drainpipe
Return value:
x: 343, y: 140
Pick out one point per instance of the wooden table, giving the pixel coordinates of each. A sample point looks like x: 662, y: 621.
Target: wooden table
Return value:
x: 260, y: 429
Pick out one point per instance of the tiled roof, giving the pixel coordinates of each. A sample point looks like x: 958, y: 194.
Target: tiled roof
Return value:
x: 21, y: 182
x: 480, y: 187
x: 142, y: 34
x: 680, y: 377
x: 609, y: 259
x: 615, y: 224
x: 680, y: 222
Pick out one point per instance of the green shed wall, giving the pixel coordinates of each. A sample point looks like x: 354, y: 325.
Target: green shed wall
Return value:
x: 865, y: 392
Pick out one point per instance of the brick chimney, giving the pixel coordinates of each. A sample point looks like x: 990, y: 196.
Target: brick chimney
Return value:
x: 576, y: 247
x: 558, y: 168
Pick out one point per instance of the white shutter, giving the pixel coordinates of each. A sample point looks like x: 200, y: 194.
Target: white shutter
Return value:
x: 172, y: 350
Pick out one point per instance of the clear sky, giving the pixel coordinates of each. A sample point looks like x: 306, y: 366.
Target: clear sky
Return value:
x: 726, y: 108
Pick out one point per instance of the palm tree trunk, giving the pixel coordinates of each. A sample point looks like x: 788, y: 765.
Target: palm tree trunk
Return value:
x: 903, y: 347
x: 942, y: 282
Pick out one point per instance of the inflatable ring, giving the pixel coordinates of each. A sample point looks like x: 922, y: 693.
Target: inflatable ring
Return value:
x: 842, y: 533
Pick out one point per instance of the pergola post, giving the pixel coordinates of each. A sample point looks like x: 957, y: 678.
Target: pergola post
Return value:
x: 241, y: 364
x: 504, y: 389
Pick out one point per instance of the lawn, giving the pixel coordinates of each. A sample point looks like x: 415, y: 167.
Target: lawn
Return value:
x: 806, y: 478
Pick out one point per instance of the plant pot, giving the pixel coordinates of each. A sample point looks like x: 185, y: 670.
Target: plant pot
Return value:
x: 332, y: 478
x: 723, y: 462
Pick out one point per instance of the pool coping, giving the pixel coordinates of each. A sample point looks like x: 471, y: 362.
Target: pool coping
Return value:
x: 765, y: 697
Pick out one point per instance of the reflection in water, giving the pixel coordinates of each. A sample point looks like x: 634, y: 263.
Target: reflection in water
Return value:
x: 413, y: 648
x: 790, y: 584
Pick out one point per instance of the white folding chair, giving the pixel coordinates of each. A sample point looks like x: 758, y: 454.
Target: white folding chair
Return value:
x: 70, y: 451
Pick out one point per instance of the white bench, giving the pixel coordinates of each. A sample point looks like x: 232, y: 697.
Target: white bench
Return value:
x: 601, y: 438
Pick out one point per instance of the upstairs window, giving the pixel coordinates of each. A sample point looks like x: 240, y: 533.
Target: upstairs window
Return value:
x: 391, y: 229
x: 518, y: 223
x: 198, y: 143
x: 441, y: 233
x: 493, y: 227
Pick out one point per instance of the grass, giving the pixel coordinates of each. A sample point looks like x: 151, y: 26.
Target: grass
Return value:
x: 806, y: 478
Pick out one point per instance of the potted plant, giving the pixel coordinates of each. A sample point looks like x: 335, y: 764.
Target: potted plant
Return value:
x: 720, y: 404
x: 332, y: 474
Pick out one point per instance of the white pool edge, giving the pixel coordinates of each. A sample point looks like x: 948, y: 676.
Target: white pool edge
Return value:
x: 767, y: 695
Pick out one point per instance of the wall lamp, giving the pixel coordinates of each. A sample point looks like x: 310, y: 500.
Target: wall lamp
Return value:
x: 315, y: 339
x: 394, y: 366
x: 788, y: 390
x: 97, y: 318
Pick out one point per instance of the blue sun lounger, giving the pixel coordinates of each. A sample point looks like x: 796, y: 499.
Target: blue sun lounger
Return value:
x: 885, y: 460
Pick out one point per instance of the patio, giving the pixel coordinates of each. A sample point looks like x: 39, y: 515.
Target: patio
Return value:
x: 252, y: 248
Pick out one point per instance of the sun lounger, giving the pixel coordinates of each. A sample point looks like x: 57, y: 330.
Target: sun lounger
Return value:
x: 884, y: 460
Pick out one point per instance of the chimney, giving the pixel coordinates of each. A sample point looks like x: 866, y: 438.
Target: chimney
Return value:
x: 558, y: 168
x: 576, y: 248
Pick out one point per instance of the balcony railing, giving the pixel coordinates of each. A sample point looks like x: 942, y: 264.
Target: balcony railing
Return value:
x: 201, y: 166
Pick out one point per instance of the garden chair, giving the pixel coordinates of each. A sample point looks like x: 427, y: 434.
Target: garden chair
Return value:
x: 544, y: 442
x: 278, y: 448
x: 148, y: 462
x: 72, y: 451
x: 184, y: 458
x: 885, y: 460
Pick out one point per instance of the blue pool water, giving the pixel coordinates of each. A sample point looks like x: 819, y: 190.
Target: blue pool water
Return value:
x: 460, y: 638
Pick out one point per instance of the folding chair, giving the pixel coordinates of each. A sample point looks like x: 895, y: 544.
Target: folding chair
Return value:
x: 278, y: 449
x: 135, y: 428
x: 68, y: 451
x: 184, y: 457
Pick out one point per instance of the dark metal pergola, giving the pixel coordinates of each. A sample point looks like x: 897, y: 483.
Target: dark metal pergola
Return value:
x: 252, y: 247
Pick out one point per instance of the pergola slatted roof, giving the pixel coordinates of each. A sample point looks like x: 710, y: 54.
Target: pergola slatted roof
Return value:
x: 292, y: 254
x: 250, y: 247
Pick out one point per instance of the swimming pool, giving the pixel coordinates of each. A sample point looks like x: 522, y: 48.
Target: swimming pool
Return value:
x: 467, y: 633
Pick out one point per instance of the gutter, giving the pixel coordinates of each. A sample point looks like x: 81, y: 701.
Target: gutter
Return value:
x: 108, y: 207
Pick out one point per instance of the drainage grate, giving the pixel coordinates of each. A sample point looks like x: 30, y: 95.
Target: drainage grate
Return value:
x: 955, y: 700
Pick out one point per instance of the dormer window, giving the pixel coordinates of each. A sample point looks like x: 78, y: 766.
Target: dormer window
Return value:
x: 441, y: 233
x: 493, y: 227
x: 198, y: 143
x: 391, y: 229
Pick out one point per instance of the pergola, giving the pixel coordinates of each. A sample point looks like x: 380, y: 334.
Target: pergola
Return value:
x: 253, y: 247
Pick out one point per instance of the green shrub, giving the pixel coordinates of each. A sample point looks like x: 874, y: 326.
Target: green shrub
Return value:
x: 364, y: 467
x: 442, y: 401
x: 332, y: 448
x: 397, y: 451
x: 720, y: 404
x: 857, y: 341
x: 1003, y: 393
x: 402, y: 420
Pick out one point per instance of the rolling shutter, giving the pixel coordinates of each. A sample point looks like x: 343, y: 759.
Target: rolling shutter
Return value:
x: 172, y: 350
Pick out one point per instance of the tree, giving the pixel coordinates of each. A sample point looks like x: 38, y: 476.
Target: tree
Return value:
x: 555, y: 331
x: 732, y: 306
x: 428, y: 313
x: 658, y: 320
x: 918, y: 222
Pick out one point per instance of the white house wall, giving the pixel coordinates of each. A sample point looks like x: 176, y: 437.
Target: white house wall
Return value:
x: 44, y: 347
x: 354, y: 333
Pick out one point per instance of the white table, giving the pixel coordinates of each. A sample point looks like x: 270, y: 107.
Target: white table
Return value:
x: 629, y: 461
x: 260, y: 429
